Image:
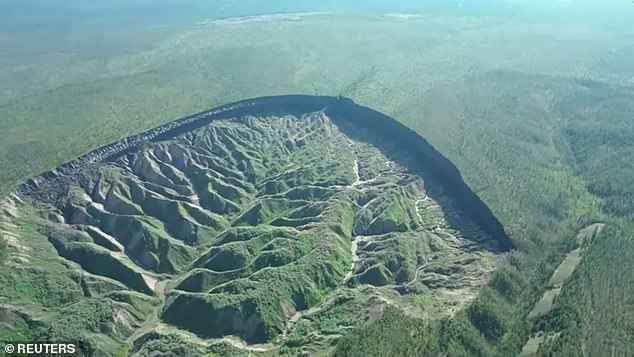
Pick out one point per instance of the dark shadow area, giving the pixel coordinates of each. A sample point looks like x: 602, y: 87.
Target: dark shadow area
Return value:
x: 436, y: 170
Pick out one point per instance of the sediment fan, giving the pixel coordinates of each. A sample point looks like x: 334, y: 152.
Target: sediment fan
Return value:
x: 243, y: 219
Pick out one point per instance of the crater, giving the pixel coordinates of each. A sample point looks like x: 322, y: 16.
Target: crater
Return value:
x: 241, y: 217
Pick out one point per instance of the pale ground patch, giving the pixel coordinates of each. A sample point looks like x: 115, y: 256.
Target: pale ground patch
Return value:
x: 260, y: 18
x: 563, y: 272
x: 531, y: 346
x: 150, y: 281
x: 403, y: 16
x: 124, y: 318
x: 9, y: 231
x: 545, y: 304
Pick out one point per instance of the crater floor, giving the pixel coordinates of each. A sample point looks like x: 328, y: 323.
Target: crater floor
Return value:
x: 260, y: 232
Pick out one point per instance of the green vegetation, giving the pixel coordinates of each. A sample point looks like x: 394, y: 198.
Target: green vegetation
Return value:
x: 272, y: 229
x: 416, y: 337
x: 3, y: 250
x: 48, y: 299
x: 535, y: 112
x: 596, y: 292
x: 600, y: 134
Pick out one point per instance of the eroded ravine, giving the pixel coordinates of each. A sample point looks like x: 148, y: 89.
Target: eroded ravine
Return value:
x: 243, y: 226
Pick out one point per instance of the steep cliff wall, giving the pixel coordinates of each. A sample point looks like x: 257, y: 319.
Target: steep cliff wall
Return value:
x: 436, y: 166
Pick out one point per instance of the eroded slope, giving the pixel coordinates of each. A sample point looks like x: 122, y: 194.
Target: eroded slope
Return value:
x: 258, y: 226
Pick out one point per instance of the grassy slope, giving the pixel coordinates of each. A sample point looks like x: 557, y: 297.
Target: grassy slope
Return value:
x: 446, y: 77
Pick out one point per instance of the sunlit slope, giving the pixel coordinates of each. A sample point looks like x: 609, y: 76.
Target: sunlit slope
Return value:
x: 251, y: 226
